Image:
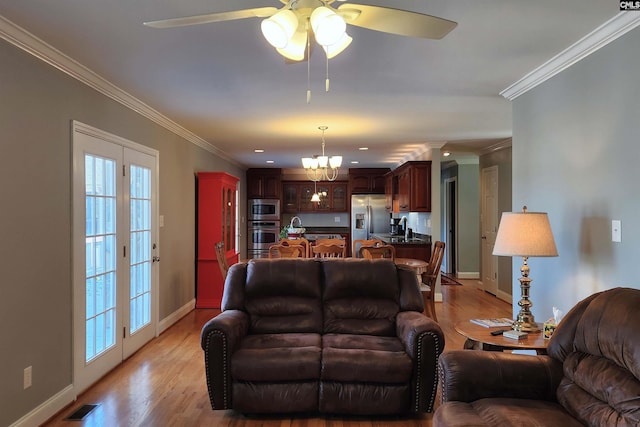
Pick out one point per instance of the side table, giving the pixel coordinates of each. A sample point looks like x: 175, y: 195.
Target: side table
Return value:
x: 480, y: 338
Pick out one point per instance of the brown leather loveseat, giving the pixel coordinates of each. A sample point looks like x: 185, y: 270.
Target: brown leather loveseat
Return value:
x: 329, y: 336
x: 591, y: 375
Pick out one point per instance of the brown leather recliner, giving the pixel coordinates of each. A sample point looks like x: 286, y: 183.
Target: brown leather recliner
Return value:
x: 591, y: 375
x: 330, y: 336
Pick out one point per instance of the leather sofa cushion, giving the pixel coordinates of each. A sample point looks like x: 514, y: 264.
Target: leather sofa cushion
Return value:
x: 284, y: 296
x: 364, y: 358
x: 362, y: 299
x: 365, y: 399
x: 503, y: 412
x: 601, y: 363
x: 277, y: 357
x: 275, y: 398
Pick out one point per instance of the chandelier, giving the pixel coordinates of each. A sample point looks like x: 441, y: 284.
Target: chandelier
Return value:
x: 322, y: 167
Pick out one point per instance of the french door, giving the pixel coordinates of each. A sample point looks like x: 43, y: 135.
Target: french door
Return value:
x: 114, y: 251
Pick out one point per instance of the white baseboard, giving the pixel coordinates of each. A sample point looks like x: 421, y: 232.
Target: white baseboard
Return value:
x: 468, y: 274
x: 47, y: 409
x: 168, y: 321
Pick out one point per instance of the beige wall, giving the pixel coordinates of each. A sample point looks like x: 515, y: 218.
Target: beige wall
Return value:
x: 37, y: 106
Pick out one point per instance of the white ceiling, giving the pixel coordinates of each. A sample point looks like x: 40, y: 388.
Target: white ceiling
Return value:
x: 393, y: 94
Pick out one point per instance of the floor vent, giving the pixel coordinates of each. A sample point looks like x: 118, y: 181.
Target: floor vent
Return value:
x: 81, y: 412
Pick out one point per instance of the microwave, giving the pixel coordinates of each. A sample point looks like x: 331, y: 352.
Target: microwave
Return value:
x: 264, y: 210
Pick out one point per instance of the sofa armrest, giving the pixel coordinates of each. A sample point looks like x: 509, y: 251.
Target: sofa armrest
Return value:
x: 469, y: 375
x: 219, y: 338
x: 423, y: 341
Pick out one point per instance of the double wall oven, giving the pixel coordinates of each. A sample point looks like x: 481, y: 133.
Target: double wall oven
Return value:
x: 263, y: 227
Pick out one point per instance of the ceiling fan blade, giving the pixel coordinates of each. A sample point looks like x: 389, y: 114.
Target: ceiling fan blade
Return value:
x: 259, y: 12
x: 396, y: 21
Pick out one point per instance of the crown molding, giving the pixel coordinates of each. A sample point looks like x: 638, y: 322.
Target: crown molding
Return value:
x: 37, y: 47
x: 615, y: 27
x: 495, y: 147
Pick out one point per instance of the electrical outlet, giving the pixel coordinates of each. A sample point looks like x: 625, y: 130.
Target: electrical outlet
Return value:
x: 27, y: 377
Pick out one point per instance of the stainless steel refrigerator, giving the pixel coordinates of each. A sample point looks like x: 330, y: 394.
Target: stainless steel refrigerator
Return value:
x: 368, y: 216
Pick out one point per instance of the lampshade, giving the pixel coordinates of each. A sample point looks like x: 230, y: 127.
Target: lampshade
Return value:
x: 279, y: 28
x: 335, y: 161
x: 294, y: 50
x: 328, y: 27
x: 337, y: 48
x: 526, y: 234
x: 315, y: 197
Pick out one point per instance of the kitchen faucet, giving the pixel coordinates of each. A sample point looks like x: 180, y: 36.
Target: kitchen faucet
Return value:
x: 293, y: 220
x: 403, y: 221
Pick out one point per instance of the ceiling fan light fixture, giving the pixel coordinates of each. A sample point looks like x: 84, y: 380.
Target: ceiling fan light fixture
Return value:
x: 328, y: 27
x: 338, y: 47
x: 280, y: 28
x: 295, y: 49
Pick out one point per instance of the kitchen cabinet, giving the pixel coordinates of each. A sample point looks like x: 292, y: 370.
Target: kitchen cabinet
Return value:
x: 410, y: 187
x: 367, y: 180
x: 216, y: 221
x: 263, y: 183
x: 297, y: 196
x: 389, y: 179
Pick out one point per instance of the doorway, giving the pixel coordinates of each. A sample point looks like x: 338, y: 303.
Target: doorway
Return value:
x: 115, y: 251
x: 489, y: 228
x: 450, y: 225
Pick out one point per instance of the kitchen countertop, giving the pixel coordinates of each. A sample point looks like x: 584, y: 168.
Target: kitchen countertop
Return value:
x: 326, y: 230
x: 418, y: 239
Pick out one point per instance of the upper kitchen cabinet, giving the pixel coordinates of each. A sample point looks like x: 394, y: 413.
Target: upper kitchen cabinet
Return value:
x: 297, y: 196
x: 411, y: 187
x: 367, y: 180
x: 263, y: 183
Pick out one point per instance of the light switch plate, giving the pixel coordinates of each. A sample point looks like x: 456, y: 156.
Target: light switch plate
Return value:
x: 616, y: 231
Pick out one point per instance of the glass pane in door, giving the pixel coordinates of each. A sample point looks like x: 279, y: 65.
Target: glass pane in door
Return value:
x: 140, y: 244
x: 100, y: 255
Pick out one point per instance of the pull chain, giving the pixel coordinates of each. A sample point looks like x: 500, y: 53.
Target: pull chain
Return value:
x: 308, y: 65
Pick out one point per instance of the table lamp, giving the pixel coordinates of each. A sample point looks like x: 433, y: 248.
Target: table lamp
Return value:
x: 525, y: 234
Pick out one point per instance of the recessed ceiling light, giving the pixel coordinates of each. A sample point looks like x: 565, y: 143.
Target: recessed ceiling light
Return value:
x: 269, y: 161
x: 354, y: 162
x: 446, y: 153
x: 363, y: 148
x: 258, y: 150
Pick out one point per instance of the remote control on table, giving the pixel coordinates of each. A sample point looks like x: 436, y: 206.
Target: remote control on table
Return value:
x: 499, y: 332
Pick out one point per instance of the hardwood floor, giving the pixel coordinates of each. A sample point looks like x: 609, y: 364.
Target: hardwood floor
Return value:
x: 163, y: 384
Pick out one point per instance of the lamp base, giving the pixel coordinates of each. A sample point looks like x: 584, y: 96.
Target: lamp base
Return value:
x: 525, y: 323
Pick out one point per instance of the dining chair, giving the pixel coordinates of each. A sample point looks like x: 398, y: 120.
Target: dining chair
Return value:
x: 429, y: 279
x: 298, y: 242
x: 358, y: 243
x: 328, y: 251
x: 334, y: 242
x: 222, y: 259
x: 375, y: 252
x: 286, y: 251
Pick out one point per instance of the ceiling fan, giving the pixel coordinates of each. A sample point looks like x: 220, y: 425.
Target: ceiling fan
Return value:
x: 291, y: 28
